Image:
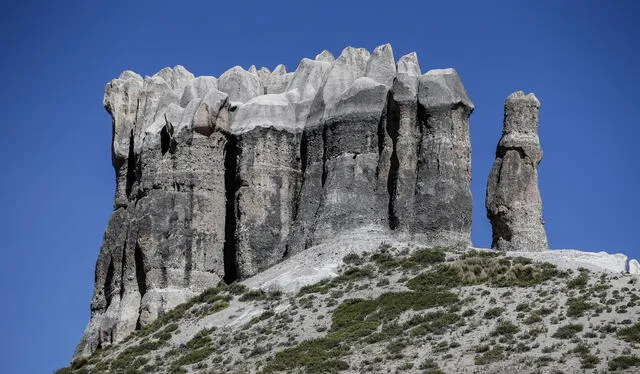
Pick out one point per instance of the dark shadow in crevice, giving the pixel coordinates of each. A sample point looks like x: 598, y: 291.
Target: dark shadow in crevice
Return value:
x: 393, y: 125
x: 231, y: 153
x: 131, y: 166
x: 324, y: 154
x: 108, y: 283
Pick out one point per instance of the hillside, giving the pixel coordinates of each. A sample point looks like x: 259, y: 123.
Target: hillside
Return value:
x: 394, y: 308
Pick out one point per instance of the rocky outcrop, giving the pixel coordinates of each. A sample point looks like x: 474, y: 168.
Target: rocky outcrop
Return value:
x: 513, y: 203
x: 218, y: 179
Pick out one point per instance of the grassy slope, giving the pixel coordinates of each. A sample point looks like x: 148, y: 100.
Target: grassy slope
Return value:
x: 403, y: 310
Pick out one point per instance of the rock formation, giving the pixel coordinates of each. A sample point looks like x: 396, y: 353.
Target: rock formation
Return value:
x: 219, y: 179
x: 513, y: 203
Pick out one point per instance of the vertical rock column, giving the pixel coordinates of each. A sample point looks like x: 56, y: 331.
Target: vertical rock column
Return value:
x: 513, y: 203
x: 351, y: 194
x: 402, y: 126
x: 442, y: 194
x: 116, y: 296
x: 268, y: 170
x: 179, y: 219
x: 164, y: 242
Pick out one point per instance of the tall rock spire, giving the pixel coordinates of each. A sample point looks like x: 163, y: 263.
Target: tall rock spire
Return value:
x: 513, y: 203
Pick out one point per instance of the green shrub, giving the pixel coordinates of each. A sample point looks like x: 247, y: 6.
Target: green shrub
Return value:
x: 236, y: 288
x: 194, y: 356
x: 493, y: 355
x: 426, y: 256
x: 523, y: 307
x: 624, y: 362
x: 589, y: 361
x: 199, y: 340
x: 353, y: 259
x: 265, y: 315
x: 630, y: 334
x: 493, y: 313
x: 251, y: 295
x: 353, y: 320
x: 567, y: 331
x: 580, y: 281
x: 479, y: 269
x: 577, y: 307
x: 505, y: 328
x: 126, y: 358
x: 432, y: 323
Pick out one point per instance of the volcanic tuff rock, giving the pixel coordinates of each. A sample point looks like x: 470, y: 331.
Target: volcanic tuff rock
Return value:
x: 218, y: 179
x: 513, y: 203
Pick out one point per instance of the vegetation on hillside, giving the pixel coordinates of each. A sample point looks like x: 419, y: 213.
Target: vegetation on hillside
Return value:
x: 426, y: 310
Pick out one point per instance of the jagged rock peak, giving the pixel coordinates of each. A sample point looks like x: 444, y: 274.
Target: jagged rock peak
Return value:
x: 381, y: 66
x: 177, y: 78
x: 513, y: 201
x: 279, y: 70
x: 241, y: 85
x: 408, y: 64
x: 325, y: 56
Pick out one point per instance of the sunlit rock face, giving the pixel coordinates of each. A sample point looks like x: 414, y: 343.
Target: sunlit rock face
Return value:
x: 218, y: 179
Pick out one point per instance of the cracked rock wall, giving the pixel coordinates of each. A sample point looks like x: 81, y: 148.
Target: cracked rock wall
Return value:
x: 218, y: 179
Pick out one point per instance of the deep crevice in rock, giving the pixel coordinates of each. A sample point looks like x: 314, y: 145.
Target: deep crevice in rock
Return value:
x: 188, y: 254
x: 108, y: 283
x: 421, y: 119
x: 324, y: 154
x: 393, y: 124
x: 141, y: 277
x: 501, y: 229
x: 131, y: 166
x: 231, y: 187
x: 165, y: 140
x: 124, y: 266
x: 303, y: 168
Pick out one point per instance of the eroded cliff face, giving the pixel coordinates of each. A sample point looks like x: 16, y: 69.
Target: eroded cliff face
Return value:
x: 219, y: 179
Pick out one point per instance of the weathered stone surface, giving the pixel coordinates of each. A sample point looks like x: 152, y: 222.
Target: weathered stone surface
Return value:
x: 278, y: 80
x: 575, y: 259
x: 381, y: 66
x: 513, y: 201
x: 221, y: 178
x: 268, y: 173
x: 164, y: 242
x: 352, y: 196
x: 240, y: 85
x: 403, y: 129
x: 325, y: 56
x: 442, y: 212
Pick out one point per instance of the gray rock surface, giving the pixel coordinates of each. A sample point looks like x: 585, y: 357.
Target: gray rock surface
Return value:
x: 165, y: 239
x: 241, y: 85
x: 405, y: 137
x: 513, y: 201
x: 442, y: 205
x: 222, y: 178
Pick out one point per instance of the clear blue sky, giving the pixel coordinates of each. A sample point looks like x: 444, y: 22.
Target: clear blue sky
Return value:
x: 581, y: 60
